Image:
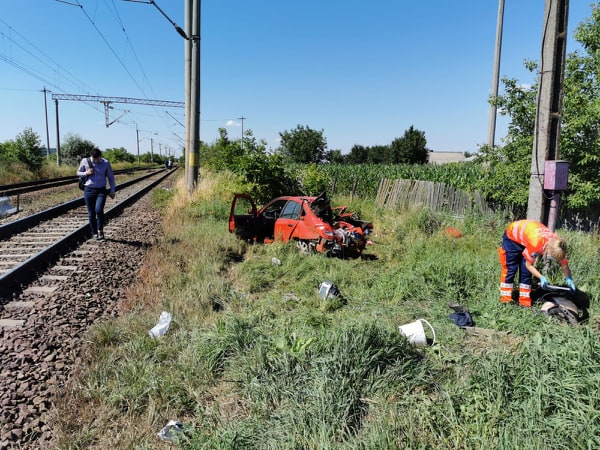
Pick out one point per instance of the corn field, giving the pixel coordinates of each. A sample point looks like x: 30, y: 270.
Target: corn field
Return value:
x: 363, y: 179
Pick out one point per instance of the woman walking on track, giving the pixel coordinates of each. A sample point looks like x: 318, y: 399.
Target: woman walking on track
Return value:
x: 97, y: 172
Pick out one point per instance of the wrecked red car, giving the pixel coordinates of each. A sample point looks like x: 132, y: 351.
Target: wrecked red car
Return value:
x: 311, y: 222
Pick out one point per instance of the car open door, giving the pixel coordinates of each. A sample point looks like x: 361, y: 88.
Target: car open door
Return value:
x: 242, y: 218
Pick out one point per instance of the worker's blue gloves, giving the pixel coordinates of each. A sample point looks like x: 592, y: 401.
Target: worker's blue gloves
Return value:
x: 571, y: 284
x: 543, y: 282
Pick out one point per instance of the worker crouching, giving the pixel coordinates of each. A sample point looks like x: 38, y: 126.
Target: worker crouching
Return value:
x: 524, y: 242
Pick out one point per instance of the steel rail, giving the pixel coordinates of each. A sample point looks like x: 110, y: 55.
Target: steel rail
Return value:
x: 31, y: 186
x: 12, y: 280
x: 25, y: 223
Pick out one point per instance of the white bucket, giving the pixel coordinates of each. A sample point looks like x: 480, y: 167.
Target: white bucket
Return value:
x: 415, y: 333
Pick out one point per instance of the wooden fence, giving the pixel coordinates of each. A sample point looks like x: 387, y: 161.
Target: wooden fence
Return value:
x: 435, y: 196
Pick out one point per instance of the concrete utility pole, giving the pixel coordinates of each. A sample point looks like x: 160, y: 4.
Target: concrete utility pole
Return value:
x: 187, y: 12
x: 193, y: 151
x: 57, y: 135
x: 496, y: 73
x: 137, y: 139
x: 549, y: 107
x: 242, y: 119
x: 46, y: 111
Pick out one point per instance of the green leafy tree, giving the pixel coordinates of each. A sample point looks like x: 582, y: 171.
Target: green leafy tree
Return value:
x: 26, y: 149
x: 358, y: 154
x: 335, y: 156
x: 4, y: 152
x: 224, y: 153
x: 303, y: 145
x: 115, y: 155
x: 74, y: 148
x: 267, y: 175
x: 411, y: 148
x: 380, y: 154
x: 580, y: 132
x: 314, y: 181
x: 508, y: 167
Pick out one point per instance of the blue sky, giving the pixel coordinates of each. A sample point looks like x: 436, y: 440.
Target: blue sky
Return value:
x: 363, y: 72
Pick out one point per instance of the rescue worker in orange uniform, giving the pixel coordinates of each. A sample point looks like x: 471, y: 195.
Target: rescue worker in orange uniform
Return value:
x: 524, y: 242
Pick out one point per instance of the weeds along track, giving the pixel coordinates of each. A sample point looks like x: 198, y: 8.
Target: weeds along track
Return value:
x: 45, y: 312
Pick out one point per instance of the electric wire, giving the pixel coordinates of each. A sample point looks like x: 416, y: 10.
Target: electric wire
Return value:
x: 52, y: 65
x: 58, y: 70
x: 66, y: 78
x: 111, y: 48
x: 115, y: 12
x: 36, y: 73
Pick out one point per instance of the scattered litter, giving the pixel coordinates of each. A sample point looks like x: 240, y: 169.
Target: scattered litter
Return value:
x: 6, y: 209
x: 462, y: 319
x: 166, y: 434
x: 453, y: 233
x: 328, y: 289
x: 162, y: 326
x: 275, y: 261
x: 415, y: 333
x: 461, y: 315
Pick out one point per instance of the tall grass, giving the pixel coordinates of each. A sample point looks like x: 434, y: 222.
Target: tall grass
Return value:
x: 255, y: 359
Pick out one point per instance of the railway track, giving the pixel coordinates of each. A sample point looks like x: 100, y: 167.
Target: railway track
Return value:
x: 45, y: 320
x: 10, y: 190
x: 30, y: 244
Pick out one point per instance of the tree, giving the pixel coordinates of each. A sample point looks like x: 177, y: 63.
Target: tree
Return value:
x: 335, y: 156
x: 358, y: 154
x: 266, y: 175
x: 509, y: 166
x: 506, y: 175
x: 410, y: 148
x: 75, y: 148
x: 303, y: 145
x: 580, y: 132
x: 26, y: 148
x: 115, y: 155
x: 380, y: 154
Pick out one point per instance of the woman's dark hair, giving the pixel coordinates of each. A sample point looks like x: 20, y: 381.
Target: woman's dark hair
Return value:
x: 96, y: 153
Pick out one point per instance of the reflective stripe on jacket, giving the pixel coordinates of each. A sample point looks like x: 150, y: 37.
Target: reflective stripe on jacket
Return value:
x: 534, y: 236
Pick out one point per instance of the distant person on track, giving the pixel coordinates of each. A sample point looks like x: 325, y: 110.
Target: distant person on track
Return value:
x: 525, y: 242
x: 95, y: 191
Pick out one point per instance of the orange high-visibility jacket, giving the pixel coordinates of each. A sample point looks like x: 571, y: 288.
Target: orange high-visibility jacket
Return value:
x: 533, y: 236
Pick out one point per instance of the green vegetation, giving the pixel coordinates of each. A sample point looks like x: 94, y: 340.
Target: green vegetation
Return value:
x: 255, y: 358
x: 303, y: 145
x: 25, y: 151
x: 25, y: 159
x: 508, y: 167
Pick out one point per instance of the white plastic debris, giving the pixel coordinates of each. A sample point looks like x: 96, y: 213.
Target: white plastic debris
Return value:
x: 275, y: 261
x: 167, y: 432
x: 6, y: 209
x: 162, y: 326
x: 328, y: 289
